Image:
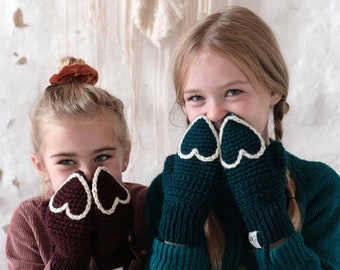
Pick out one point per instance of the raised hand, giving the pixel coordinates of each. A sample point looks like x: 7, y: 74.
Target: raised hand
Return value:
x: 192, y: 180
x: 69, y: 224
x: 113, y: 213
x: 256, y: 175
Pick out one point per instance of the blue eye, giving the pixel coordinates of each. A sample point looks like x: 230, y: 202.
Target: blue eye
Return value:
x: 102, y: 158
x: 233, y: 92
x: 196, y: 98
x: 66, y: 162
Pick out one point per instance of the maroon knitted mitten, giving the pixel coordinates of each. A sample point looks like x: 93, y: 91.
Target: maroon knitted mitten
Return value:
x: 69, y: 224
x: 113, y: 221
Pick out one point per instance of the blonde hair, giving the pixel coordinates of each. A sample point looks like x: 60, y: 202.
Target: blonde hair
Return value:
x: 245, y: 39
x: 69, y: 60
x: 78, y: 101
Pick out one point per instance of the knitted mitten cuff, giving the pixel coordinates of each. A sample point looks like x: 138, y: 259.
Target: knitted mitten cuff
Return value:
x: 174, y: 257
x: 121, y: 258
x: 62, y: 263
x: 69, y: 224
x: 182, y: 223
x: 267, y: 224
x: 191, y: 183
x: 256, y: 175
x: 291, y: 254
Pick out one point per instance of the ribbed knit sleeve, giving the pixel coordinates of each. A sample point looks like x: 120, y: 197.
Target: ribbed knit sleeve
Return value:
x: 292, y: 254
x: 182, y: 257
x: 318, y: 245
x: 27, y: 245
x: 315, y: 247
x: 139, y: 235
x: 160, y: 254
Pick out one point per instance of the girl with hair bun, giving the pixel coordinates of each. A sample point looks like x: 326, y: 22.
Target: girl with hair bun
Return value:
x: 86, y: 217
x: 232, y: 197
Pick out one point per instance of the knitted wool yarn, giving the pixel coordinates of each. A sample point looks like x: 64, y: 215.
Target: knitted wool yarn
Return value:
x: 114, y: 219
x: 156, y: 18
x: 69, y: 224
x: 192, y: 181
x: 256, y: 177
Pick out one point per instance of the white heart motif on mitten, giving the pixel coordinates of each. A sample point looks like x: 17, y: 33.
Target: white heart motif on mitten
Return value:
x: 239, y: 147
x: 78, y: 207
x: 103, y: 180
x: 204, y: 134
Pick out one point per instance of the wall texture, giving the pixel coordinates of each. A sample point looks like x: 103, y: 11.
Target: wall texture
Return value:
x: 34, y: 35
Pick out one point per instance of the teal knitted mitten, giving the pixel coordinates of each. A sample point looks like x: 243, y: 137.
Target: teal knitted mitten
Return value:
x: 68, y: 221
x: 192, y: 180
x: 113, y: 221
x: 256, y: 175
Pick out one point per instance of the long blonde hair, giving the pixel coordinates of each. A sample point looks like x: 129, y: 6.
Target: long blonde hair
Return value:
x: 78, y: 101
x: 242, y: 37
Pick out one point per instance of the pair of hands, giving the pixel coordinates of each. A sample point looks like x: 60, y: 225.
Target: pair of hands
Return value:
x: 205, y: 163
x: 89, y: 218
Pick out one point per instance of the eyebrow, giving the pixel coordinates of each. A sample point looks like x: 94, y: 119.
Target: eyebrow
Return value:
x: 220, y: 87
x: 66, y: 154
x: 236, y: 82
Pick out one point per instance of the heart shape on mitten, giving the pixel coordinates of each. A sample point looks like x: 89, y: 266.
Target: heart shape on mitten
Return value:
x: 73, y: 197
x: 103, y: 186
x: 198, y: 139
x: 238, y: 139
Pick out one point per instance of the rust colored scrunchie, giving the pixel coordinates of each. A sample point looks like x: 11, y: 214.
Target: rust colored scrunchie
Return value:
x: 81, y: 73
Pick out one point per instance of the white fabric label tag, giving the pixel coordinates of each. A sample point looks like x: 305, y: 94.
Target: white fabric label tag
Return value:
x: 252, y: 237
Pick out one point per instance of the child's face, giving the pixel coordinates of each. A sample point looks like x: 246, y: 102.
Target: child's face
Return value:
x: 69, y: 146
x: 215, y: 87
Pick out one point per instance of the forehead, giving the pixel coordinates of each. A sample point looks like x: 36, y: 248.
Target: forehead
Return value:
x: 211, y: 68
x: 90, y: 120
x: 73, y: 133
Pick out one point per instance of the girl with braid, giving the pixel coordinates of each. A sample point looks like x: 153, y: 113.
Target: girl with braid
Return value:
x: 87, y: 217
x: 232, y: 197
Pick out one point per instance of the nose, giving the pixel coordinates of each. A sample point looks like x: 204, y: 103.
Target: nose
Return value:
x: 216, y: 113
x: 88, y: 170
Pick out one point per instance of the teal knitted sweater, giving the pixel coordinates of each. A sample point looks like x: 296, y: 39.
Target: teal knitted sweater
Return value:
x: 316, y: 246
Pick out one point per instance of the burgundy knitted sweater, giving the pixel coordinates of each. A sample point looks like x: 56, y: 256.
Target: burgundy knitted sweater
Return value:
x: 28, y: 245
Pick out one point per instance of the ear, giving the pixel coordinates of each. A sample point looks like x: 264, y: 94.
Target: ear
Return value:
x: 126, y: 157
x: 275, y: 98
x: 38, y: 164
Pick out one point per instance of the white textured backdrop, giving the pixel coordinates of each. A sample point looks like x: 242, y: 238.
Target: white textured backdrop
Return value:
x: 307, y: 30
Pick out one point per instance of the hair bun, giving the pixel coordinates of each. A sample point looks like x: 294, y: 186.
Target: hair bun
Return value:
x: 81, y: 73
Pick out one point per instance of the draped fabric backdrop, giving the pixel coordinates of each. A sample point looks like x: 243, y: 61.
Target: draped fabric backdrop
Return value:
x: 131, y: 44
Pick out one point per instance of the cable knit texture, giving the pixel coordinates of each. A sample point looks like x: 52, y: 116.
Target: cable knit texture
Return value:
x: 257, y: 181
x: 191, y: 185
x: 67, y: 225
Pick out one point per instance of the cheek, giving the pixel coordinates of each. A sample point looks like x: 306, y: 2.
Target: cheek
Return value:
x: 191, y: 118
x: 258, y: 112
x: 192, y: 113
x: 117, y: 174
x: 57, y: 181
x: 57, y: 178
x: 260, y: 122
x: 116, y: 169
